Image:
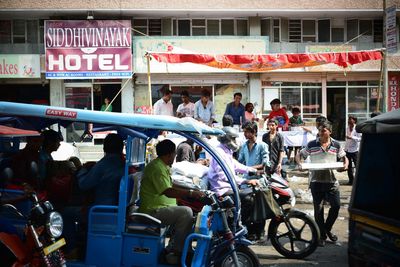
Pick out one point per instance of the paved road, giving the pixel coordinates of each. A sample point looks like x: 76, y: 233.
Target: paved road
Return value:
x: 333, y: 254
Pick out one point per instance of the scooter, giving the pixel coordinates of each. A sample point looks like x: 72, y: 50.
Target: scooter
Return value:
x: 293, y: 233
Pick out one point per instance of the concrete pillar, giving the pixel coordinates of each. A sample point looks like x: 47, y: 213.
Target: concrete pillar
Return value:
x: 254, y: 26
x: 324, y: 96
x: 255, y: 93
x: 57, y: 94
x: 127, y: 99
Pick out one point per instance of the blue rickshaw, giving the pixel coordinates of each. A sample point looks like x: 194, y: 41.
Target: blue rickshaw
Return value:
x: 118, y: 238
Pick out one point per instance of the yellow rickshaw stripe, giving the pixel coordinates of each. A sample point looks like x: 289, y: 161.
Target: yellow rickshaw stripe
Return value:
x: 374, y: 223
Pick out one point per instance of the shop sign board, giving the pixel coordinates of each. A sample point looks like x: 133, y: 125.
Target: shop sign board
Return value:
x: 394, y: 91
x: 82, y: 49
x: 19, y: 66
x: 391, y: 31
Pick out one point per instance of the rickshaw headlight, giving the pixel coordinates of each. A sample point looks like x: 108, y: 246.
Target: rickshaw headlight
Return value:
x: 54, y: 224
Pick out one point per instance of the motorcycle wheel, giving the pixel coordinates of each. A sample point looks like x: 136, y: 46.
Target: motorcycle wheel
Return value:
x: 298, y: 243
x: 246, y: 257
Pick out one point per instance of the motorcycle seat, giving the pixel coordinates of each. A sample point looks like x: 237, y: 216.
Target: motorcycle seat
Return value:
x: 142, y: 223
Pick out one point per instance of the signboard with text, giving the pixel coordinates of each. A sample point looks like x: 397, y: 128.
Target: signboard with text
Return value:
x: 394, y: 91
x: 19, y: 66
x: 82, y: 49
x: 391, y: 31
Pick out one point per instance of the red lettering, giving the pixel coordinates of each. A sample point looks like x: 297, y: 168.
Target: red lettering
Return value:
x: 61, y: 113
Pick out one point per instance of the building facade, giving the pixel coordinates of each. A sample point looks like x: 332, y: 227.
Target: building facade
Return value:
x: 216, y: 27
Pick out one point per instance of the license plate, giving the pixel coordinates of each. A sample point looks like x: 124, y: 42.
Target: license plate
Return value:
x: 54, y: 247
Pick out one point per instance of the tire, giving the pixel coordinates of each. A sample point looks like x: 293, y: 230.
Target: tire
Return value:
x: 298, y: 245
x: 246, y: 257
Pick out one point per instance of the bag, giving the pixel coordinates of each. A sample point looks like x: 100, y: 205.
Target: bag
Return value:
x: 265, y: 206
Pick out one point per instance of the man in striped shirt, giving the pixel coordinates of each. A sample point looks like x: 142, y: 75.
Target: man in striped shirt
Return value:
x: 324, y: 185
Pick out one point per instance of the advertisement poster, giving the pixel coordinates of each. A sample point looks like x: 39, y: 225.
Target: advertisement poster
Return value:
x: 393, y: 94
x: 82, y: 49
x: 19, y: 66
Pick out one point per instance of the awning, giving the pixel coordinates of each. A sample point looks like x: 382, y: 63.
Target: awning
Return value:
x: 267, y: 62
x: 6, y: 131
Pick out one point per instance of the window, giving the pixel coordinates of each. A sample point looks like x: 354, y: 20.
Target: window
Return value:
x: 241, y: 27
x: 265, y: 27
x: 19, y: 31
x: 378, y: 31
x: 324, y: 26
x: 295, y: 30
x: 227, y: 27
x: 352, y: 30
x: 5, y: 31
x: 32, y: 31
x: 365, y: 27
x: 312, y: 99
x: 213, y: 27
x: 308, y: 28
x: 337, y: 35
x: 184, y: 27
x: 140, y: 26
x: 198, y: 27
x: 276, y: 30
x: 147, y: 27
x: 154, y: 27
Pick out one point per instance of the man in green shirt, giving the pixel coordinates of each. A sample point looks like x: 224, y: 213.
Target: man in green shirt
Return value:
x: 158, y: 198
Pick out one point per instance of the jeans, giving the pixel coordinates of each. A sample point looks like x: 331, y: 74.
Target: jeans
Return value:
x: 352, y: 157
x: 330, y: 193
x: 180, y: 218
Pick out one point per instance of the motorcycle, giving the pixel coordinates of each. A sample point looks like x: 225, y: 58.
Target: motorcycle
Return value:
x: 39, y: 242
x: 293, y: 233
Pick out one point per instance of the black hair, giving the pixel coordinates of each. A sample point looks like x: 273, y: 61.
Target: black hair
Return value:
x: 295, y: 109
x: 250, y: 126
x: 375, y: 113
x: 248, y: 105
x: 325, y: 125
x: 113, y: 144
x: 205, y: 92
x: 353, y: 118
x: 165, y: 147
x: 275, y: 101
x: 320, y: 119
x: 227, y: 120
x: 238, y: 93
x: 167, y: 92
x: 274, y: 121
x: 51, y: 136
x: 185, y: 93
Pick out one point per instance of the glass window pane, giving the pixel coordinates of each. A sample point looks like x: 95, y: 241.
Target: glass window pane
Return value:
x: 324, y: 27
x: 276, y: 35
x: 198, y: 31
x: 5, y: 31
x: 352, y: 29
x: 308, y: 39
x: 308, y: 27
x: 241, y: 27
x: 357, y: 100
x: 184, y: 27
x: 337, y: 34
x: 139, y: 30
x: 212, y: 27
x: 154, y: 27
x: 312, y: 100
x: 366, y: 27
x: 198, y: 22
x: 290, y: 98
x: 265, y: 27
x: 227, y: 27
x: 19, y: 27
x: 32, y: 26
x: 276, y: 22
x: 140, y: 22
x: 374, y: 95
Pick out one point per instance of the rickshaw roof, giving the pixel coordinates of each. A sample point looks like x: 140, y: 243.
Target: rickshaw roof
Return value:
x: 37, y: 117
x: 6, y: 131
x: 385, y: 123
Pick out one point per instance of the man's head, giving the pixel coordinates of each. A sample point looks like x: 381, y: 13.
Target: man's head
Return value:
x: 275, y: 104
x: 229, y: 138
x: 375, y: 113
x: 319, y: 120
x: 34, y: 143
x: 167, y: 95
x: 227, y: 120
x: 249, y: 107
x: 352, y: 120
x: 237, y: 97
x: 205, y: 96
x: 185, y: 96
x: 113, y: 144
x: 325, y: 129
x: 295, y: 111
x: 51, y: 140
x: 272, y: 125
x: 166, y: 151
x: 250, y: 130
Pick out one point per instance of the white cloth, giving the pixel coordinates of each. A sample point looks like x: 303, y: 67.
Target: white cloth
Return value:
x: 204, y: 114
x: 162, y: 108
x: 352, y: 145
x: 187, y: 109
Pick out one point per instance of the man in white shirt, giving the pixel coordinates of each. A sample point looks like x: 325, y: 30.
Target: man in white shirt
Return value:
x: 351, y: 147
x: 164, y: 105
x: 204, y: 109
x: 186, y: 109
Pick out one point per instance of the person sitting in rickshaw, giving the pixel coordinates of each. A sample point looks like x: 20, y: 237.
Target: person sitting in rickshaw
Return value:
x: 158, y: 198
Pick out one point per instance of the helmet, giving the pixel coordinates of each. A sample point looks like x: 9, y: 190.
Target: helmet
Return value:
x: 229, y: 138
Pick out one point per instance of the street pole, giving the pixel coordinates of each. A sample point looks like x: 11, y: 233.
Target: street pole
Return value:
x: 385, y: 70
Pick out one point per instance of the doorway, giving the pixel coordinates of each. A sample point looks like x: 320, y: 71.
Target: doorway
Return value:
x: 336, y: 111
x: 102, y: 91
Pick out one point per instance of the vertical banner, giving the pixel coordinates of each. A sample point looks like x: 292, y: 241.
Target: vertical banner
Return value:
x: 82, y: 49
x: 394, y: 90
x: 391, y: 31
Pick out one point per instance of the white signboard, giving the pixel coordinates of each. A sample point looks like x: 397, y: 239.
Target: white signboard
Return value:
x: 391, y: 35
x: 19, y: 66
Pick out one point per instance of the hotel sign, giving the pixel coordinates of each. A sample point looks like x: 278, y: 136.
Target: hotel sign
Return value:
x: 82, y: 49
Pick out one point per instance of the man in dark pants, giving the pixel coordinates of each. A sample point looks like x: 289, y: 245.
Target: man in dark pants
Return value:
x: 324, y: 185
x: 351, y: 147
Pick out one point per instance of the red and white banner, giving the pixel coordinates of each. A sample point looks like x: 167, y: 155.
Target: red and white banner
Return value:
x: 84, y: 49
x: 261, y: 63
x: 393, y: 91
